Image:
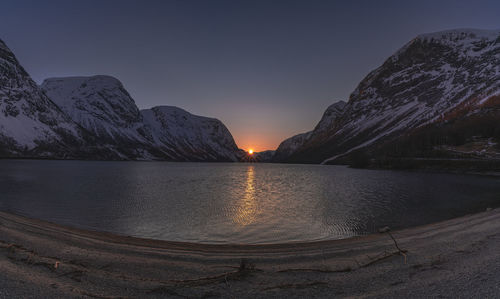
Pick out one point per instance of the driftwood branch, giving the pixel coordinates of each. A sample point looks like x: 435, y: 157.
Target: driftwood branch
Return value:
x: 387, y: 230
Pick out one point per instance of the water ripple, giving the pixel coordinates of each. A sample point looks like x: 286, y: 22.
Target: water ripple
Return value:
x: 236, y: 203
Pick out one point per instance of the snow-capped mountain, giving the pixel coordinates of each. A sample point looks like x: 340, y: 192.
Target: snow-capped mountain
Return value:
x: 187, y: 137
x: 291, y: 145
x: 31, y: 125
x: 423, y: 83
x: 102, y: 106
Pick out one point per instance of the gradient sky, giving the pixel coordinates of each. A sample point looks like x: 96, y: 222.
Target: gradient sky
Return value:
x: 267, y: 69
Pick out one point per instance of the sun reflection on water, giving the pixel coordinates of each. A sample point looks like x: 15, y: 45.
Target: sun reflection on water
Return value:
x: 246, y: 212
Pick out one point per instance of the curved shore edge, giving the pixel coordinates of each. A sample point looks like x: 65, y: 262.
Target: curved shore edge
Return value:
x: 458, y: 257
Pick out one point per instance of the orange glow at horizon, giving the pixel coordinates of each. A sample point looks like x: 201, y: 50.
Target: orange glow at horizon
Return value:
x: 250, y: 151
x: 259, y: 143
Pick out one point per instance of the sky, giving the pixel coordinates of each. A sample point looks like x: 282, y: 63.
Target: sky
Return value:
x: 267, y: 69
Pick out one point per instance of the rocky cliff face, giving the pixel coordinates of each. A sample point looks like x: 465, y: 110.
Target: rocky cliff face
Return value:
x: 425, y: 82
x: 31, y: 125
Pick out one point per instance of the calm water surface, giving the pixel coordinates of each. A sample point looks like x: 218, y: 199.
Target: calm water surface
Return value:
x: 235, y: 202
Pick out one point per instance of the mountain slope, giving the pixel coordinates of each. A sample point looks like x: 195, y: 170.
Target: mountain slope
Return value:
x: 468, y: 137
x: 187, y: 137
x: 31, y: 125
x: 422, y: 83
x: 328, y: 121
x: 289, y: 146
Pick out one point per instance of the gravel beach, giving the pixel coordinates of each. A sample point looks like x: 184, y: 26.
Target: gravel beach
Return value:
x: 458, y: 258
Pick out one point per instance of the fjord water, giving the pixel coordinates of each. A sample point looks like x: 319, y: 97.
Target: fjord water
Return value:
x: 236, y: 202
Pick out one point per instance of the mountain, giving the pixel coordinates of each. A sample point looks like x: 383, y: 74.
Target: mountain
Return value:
x: 102, y: 106
x: 434, y: 81
x: 187, y: 137
x: 291, y: 145
x: 31, y: 125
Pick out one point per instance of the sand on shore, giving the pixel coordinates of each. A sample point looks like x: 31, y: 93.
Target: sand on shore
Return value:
x: 450, y: 259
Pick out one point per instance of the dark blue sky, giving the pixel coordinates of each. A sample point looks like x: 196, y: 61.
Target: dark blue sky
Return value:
x: 267, y: 69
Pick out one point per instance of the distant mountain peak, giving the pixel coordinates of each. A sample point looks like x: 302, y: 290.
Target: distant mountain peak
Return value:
x: 65, y: 87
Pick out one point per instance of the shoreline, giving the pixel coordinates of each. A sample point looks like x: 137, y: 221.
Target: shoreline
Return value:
x: 43, y: 259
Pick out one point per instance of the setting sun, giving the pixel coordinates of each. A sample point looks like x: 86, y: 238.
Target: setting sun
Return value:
x: 250, y: 151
